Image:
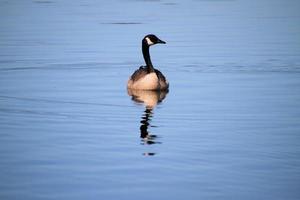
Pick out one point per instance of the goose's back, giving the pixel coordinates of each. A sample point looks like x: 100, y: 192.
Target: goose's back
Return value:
x: 139, y: 73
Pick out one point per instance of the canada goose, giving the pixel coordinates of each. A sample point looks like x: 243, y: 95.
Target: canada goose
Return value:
x: 147, y: 77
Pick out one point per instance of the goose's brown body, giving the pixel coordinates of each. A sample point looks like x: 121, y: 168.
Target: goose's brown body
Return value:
x: 142, y: 80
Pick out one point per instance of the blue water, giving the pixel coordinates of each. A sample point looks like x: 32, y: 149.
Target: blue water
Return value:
x: 229, y: 128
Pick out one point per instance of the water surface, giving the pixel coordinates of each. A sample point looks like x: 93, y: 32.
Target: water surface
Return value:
x: 228, y: 128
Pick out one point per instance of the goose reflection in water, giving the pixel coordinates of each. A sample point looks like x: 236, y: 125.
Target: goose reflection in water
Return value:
x: 150, y: 99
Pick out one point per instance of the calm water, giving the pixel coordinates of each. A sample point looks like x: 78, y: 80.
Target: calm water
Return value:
x: 229, y: 128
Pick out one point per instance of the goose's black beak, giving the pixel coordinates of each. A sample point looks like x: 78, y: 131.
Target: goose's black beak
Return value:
x: 160, y: 41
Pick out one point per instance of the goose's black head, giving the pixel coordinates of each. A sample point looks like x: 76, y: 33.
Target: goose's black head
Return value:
x: 152, y: 39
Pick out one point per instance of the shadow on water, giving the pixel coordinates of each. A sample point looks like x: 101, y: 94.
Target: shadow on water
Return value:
x: 149, y: 99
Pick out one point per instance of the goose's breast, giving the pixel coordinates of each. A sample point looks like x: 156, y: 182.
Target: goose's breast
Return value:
x: 148, y: 82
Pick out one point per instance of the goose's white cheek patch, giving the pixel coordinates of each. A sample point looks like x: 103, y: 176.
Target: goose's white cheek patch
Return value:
x: 149, y: 42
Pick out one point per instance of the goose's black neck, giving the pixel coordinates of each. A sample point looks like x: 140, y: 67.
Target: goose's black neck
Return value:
x: 147, y: 58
